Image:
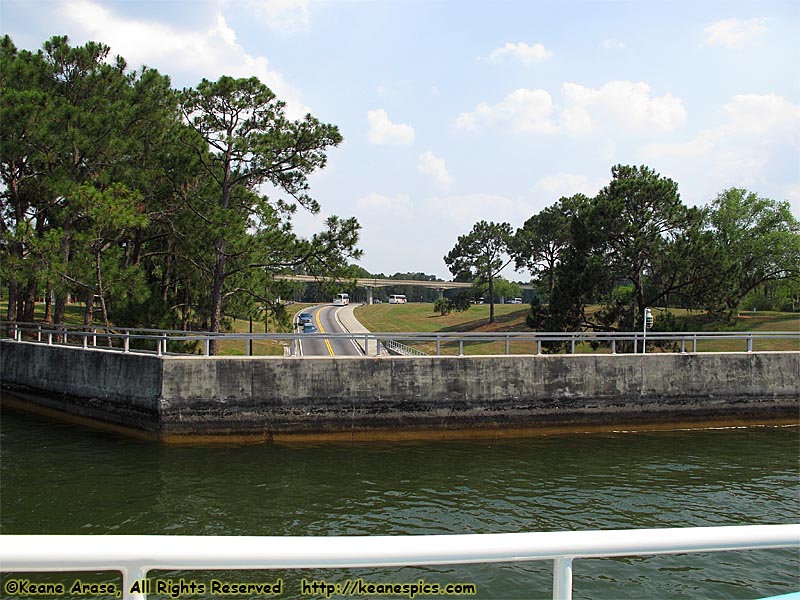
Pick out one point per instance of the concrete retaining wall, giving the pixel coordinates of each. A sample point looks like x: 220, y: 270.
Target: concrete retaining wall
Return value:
x: 349, y: 397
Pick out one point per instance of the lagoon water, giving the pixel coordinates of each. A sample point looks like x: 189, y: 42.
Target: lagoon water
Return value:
x: 65, y: 479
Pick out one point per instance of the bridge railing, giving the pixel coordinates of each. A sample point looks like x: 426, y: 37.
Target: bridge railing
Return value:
x: 162, y: 341
x: 135, y: 555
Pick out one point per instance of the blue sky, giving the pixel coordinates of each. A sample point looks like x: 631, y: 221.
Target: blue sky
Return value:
x: 456, y: 111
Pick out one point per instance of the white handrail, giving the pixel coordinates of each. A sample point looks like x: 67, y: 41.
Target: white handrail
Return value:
x: 135, y: 555
x: 160, y: 338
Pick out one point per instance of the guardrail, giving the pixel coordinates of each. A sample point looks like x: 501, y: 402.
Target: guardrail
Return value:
x: 162, y: 342
x: 135, y: 555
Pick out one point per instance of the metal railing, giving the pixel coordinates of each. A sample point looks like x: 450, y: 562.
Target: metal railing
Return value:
x: 162, y: 342
x: 396, y: 347
x: 135, y: 555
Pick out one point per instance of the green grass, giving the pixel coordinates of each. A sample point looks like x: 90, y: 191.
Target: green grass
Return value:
x: 419, y: 317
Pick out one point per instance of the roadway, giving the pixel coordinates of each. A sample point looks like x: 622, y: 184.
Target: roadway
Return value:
x: 324, y: 319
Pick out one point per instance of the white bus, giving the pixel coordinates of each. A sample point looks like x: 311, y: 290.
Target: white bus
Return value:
x: 341, y: 300
x: 397, y: 299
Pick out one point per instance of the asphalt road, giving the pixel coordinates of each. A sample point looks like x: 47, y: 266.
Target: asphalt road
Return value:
x: 314, y: 344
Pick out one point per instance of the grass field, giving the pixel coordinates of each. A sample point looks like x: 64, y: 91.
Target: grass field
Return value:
x: 419, y: 317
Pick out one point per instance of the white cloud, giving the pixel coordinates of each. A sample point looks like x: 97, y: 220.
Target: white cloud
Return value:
x: 756, y: 131
x: 568, y: 184
x: 734, y: 33
x: 185, y: 55
x: 523, y: 111
x: 748, y: 116
x: 434, y: 167
x: 530, y: 55
x: 458, y: 213
x: 398, y: 204
x: 284, y: 16
x: 612, y: 44
x: 620, y: 104
x: 383, y: 131
x: 608, y: 151
x: 761, y: 113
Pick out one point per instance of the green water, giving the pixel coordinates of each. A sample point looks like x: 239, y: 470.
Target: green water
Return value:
x: 59, y: 478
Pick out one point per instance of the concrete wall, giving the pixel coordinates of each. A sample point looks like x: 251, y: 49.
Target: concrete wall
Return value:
x: 124, y: 389
x: 275, y: 398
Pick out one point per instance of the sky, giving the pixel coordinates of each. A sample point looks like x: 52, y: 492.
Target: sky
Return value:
x: 455, y: 111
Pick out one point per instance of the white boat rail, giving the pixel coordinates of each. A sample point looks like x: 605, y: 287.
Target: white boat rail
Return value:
x: 135, y: 555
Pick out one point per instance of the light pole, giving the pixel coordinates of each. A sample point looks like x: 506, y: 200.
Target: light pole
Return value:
x: 647, y: 323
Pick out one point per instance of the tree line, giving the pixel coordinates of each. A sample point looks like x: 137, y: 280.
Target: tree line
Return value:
x: 153, y: 206
x: 637, y: 245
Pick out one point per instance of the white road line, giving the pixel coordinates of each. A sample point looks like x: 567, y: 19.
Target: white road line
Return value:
x: 352, y: 339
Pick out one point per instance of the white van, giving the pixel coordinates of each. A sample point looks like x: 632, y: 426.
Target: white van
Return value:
x: 397, y: 299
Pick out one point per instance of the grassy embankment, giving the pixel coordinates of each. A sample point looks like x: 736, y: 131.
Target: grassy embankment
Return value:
x: 419, y: 317
x: 74, y: 316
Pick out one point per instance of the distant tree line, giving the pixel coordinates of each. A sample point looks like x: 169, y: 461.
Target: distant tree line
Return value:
x: 153, y: 206
x: 636, y: 245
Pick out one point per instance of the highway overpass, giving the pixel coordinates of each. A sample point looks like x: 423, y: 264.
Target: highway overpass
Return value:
x: 370, y: 283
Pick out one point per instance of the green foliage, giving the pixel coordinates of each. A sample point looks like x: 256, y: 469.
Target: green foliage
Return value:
x: 119, y: 189
x: 755, y: 241
x: 481, y: 255
x: 460, y: 302
x: 635, y: 245
x: 443, y: 306
x: 538, y: 244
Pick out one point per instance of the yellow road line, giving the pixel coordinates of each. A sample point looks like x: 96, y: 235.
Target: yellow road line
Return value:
x: 322, y: 330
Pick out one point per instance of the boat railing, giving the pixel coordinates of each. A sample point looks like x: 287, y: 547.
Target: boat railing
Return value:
x: 134, y: 556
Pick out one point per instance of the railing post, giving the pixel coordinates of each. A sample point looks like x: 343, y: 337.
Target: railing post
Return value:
x: 438, y: 345
x: 291, y: 347
x: 39, y: 333
x: 249, y: 346
x: 461, y: 347
x: 562, y: 579
x: 138, y: 573
x: 366, y: 346
x: 85, y: 342
x: 694, y: 343
x: 538, y: 347
x: 94, y: 338
x: 750, y: 343
x: 572, y: 345
x: 207, y: 347
x: 635, y: 344
x: 508, y: 346
x: 683, y: 345
x: 49, y: 338
x: 613, y: 346
x: 126, y: 343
